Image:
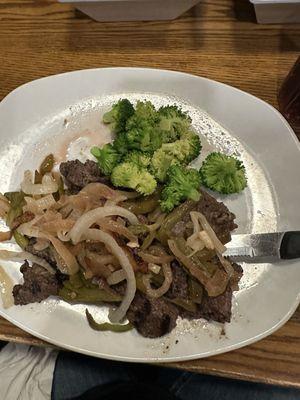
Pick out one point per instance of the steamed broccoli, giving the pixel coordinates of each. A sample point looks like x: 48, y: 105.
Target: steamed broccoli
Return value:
x: 118, y: 115
x: 224, y: 174
x: 107, y: 157
x: 142, y: 132
x: 120, y: 144
x: 173, y: 122
x: 182, y: 183
x: 129, y: 175
x: 142, y: 160
x: 182, y: 151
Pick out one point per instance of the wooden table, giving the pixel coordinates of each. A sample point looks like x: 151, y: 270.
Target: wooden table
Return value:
x: 219, y: 40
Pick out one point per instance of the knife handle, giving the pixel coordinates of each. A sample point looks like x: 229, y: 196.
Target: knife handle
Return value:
x: 290, y: 245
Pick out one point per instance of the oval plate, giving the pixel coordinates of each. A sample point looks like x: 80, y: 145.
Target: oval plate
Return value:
x: 40, y: 117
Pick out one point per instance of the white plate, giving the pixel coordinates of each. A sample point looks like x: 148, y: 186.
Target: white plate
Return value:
x: 38, y: 116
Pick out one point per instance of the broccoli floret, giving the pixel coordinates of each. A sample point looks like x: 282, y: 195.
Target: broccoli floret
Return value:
x: 129, y: 175
x: 120, y: 143
x: 224, y: 174
x: 146, y: 111
x: 144, y: 137
x: 142, y: 132
x: 107, y: 157
x: 118, y: 115
x: 142, y: 160
x: 182, y: 183
x: 173, y: 122
x: 161, y: 162
x: 182, y: 151
x: 195, y: 145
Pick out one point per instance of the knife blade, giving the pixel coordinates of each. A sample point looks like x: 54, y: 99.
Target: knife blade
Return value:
x: 264, y: 247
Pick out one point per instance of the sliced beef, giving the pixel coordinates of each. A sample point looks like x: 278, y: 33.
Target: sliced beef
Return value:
x: 152, y: 317
x: 38, y: 285
x: 179, y: 286
x: 21, y: 219
x: 216, y: 308
x: 238, y: 273
x: 46, y: 254
x: 217, y: 214
x: 77, y: 175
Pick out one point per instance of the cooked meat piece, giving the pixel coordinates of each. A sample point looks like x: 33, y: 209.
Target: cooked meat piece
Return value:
x: 179, y: 286
x: 238, y: 273
x: 152, y: 317
x: 38, y: 285
x: 216, y: 308
x: 21, y: 219
x: 77, y: 175
x: 217, y: 214
x: 46, y: 254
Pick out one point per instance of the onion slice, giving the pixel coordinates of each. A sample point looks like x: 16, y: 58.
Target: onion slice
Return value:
x: 220, y: 248
x: 47, y: 186
x: 156, y: 293
x: 6, y: 288
x: 150, y: 258
x: 24, y: 255
x: 116, y: 277
x: 97, y: 235
x: 91, y: 217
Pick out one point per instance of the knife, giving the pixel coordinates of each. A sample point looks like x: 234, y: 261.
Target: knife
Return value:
x: 264, y: 247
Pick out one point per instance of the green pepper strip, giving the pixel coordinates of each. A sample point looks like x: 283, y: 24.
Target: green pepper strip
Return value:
x: 106, y: 326
x: 165, y: 231
x: 187, y: 305
x: 144, y: 205
x: 47, y: 164
x: 17, y: 202
x: 87, y: 295
x: 21, y: 240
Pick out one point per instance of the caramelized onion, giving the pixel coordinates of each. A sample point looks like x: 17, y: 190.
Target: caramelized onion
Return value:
x: 95, y: 234
x: 195, y: 215
x: 150, y: 258
x: 116, y: 277
x: 91, y: 217
x: 24, y: 255
x: 38, y: 206
x: 6, y: 288
x: 47, y: 186
x: 156, y: 293
x: 115, y: 226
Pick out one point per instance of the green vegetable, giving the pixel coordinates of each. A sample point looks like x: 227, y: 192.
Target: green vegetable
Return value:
x: 47, y: 164
x: 139, y: 229
x: 181, y: 151
x: 140, y: 159
x: 177, y: 215
x: 182, y: 184
x: 142, y: 131
x: 195, y: 290
x: 120, y: 144
x: 108, y: 157
x: 173, y: 122
x: 17, y: 202
x: 79, y: 289
x: 224, y: 174
x: 145, y: 204
x: 186, y: 304
x: 129, y: 175
x: 88, y: 295
x: 118, y: 115
x: 21, y: 240
x: 37, y: 177
x: 106, y: 326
